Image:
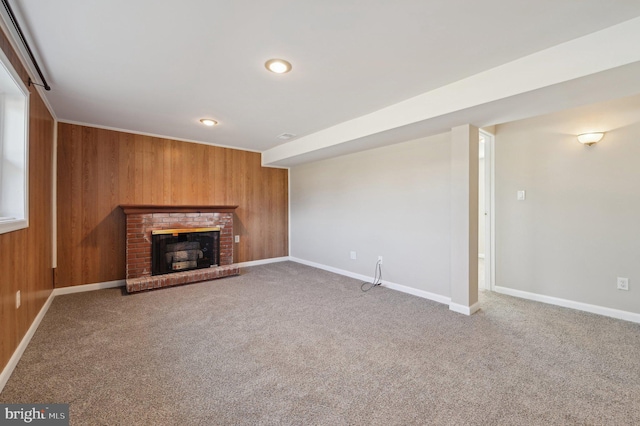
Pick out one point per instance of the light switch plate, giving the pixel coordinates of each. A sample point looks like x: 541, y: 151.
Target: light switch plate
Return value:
x: 521, y: 195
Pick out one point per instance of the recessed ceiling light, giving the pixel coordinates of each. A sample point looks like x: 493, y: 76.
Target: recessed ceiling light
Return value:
x: 279, y: 66
x: 286, y: 136
x: 208, y: 122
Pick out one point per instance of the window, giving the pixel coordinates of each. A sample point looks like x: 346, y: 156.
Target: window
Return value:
x: 14, y: 149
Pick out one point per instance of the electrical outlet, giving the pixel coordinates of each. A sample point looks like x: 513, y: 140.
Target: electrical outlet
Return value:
x: 623, y: 283
x: 17, y: 299
x: 237, y: 240
x: 380, y: 260
x: 353, y: 255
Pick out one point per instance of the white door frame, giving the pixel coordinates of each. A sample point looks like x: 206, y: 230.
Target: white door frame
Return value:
x: 489, y: 205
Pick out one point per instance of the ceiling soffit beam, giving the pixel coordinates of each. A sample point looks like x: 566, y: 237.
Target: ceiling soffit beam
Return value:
x: 594, y: 53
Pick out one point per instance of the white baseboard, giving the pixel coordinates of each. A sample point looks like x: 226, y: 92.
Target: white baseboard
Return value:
x: 88, y: 287
x: 17, y: 354
x: 417, y: 292
x: 331, y: 269
x: 264, y: 261
x: 594, y: 309
x: 393, y: 286
x: 462, y: 309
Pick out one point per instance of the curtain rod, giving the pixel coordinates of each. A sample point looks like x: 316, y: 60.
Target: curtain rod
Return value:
x: 14, y: 21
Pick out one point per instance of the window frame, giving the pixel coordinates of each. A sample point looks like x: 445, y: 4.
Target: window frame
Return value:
x: 23, y: 221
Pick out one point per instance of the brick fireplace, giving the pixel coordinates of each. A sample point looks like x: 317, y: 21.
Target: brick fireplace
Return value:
x: 142, y: 220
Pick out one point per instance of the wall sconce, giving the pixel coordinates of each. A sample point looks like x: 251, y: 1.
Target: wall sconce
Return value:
x: 590, y: 138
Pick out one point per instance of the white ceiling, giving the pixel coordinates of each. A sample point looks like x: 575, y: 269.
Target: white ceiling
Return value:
x: 157, y: 67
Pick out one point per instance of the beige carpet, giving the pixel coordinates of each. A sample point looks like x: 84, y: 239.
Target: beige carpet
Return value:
x: 288, y: 344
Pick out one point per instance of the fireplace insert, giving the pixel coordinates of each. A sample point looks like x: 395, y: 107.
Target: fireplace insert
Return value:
x: 176, y: 250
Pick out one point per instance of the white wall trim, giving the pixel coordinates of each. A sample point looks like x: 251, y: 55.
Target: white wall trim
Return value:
x: 565, y: 303
x: 45, y: 100
x: 17, y: 354
x: 21, y: 53
x: 331, y: 269
x: 614, y: 47
x: 417, y: 292
x: 393, y: 286
x: 54, y: 197
x: 492, y: 235
x: 88, y: 287
x: 289, y: 211
x: 465, y: 310
x: 263, y: 261
x: 155, y: 135
x: 173, y: 138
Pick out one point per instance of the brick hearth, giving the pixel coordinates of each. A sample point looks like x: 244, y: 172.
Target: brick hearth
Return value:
x: 143, y: 219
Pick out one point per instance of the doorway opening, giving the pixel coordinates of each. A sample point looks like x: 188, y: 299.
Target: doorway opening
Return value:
x: 485, y: 211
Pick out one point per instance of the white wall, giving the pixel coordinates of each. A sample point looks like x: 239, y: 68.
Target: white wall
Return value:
x: 579, y: 227
x: 392, y: 201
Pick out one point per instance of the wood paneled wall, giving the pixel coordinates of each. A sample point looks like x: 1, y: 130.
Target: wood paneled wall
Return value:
x: 100, y: 169
x: 25, y: 255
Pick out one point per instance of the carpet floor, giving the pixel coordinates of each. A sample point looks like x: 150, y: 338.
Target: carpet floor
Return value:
x: 286, y: 344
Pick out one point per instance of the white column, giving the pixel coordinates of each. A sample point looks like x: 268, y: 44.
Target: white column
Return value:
x: 464, y: 219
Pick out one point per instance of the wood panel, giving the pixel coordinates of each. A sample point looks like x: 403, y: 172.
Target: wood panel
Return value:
x: 100, y: 169
x: 25, y: 260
